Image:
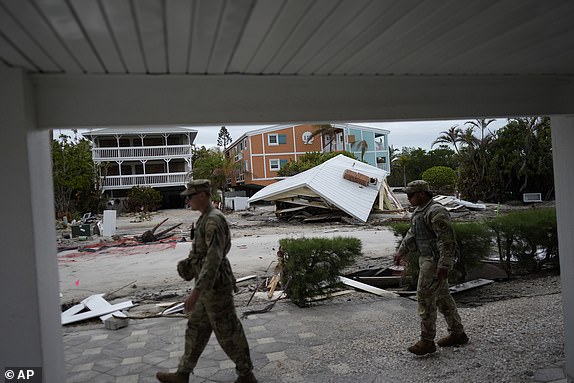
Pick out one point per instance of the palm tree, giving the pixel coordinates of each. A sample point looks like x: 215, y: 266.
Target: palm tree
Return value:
x: 327, y: 130
x: 476, y: 151
x: 482, y: 124
x: 452, y: 136
x: 363, y: 145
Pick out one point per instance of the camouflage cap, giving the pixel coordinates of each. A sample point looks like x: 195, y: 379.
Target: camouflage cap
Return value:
x: 197, y: 186
x: 417, y: 186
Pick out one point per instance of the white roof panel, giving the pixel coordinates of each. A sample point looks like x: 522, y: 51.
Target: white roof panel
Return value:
x: 326, y: 180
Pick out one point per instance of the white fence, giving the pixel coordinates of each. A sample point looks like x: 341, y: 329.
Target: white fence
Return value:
x: 128, y: 181
x: 100, y: 154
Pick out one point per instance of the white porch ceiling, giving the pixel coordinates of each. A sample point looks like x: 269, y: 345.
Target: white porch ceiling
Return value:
x: 113, y: 62
x: 289, y: 37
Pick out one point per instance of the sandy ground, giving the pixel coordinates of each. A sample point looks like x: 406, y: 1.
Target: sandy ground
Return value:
x: 97, y: 266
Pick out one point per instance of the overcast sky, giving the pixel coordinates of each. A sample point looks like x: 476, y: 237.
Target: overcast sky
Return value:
x: 410, y: 134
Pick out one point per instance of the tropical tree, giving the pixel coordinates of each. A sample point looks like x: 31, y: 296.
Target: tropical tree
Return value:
x: 451, y: 136
x: 474, y: 158
x: 363, y: 145
x: 328, y: 132
x: 522, y: 159
x: 74, y: 176
x: 213, y: 165
x: 223, y: 138
x: 410, y: 163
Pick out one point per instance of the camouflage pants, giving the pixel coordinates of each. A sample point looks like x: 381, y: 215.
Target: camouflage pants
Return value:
x: 215, y: 313
x: 432, y: 295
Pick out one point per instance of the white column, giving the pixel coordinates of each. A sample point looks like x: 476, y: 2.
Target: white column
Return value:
x: 562, y: 144
x: 30, y: 318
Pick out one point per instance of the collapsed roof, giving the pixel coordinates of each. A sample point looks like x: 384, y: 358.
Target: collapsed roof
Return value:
x: 332, y: 183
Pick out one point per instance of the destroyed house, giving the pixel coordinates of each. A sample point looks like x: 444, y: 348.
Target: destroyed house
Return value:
x: 260, y: 154
x: 158, y: 157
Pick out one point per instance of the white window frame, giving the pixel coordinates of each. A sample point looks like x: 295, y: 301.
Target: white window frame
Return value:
x: 274, y: 165
x: 276, y: 139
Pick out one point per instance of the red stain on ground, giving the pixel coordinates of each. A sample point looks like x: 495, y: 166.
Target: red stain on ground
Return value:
x: 120, y: 248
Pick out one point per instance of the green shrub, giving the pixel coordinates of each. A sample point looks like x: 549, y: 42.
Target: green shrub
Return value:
x: 528, y: 237
x: 313, y: 265
x: 440, y: 178
x: 473, y: 244
x: 143, y: 199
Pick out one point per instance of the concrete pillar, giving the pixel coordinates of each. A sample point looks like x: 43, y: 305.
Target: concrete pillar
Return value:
x: 30, y: 313
x: 562, y: 144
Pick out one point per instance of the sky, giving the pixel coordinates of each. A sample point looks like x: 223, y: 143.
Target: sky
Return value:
x: 418, y: 134
x: 402, y: 134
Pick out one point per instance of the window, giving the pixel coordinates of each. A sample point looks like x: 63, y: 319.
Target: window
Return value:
x: 275, y: 165
x: 277, y: 139
x: 379, y: 141
x: 307, y: 138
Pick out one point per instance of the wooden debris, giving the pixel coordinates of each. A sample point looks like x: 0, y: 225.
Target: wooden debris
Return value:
x: 390, y: 203
x: 454, y: 288
x: 242, y: 279
x: 97, y: 306
x: 367, y: 288
x: 278, y: 272
x: 178, y: 307
x: 150, y: 236
x: 452, y: 203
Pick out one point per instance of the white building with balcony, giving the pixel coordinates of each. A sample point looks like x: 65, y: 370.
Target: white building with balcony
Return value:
x: 158, y: 157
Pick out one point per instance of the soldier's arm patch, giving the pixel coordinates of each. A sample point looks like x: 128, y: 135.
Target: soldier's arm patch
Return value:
x: 440, y: 225
x: 440, y: 222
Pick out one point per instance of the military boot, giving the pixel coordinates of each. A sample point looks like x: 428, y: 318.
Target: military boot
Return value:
x: 172, y: 377
x: 423, y: 347
x: 249, y: 378
x: 453, y: 340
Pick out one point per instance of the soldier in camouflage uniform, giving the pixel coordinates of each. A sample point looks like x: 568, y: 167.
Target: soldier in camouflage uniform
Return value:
x: 210, y: 303
x: 431, y: 237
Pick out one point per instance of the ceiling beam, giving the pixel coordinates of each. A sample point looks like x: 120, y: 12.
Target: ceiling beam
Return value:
x: 94, y: 100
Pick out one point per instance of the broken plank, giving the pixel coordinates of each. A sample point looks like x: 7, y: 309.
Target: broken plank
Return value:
x: 455, y: 288
x: 97, y: 302
x: 246, y: 278
x: 96, y: 313
x: 73, y: 310
x: 368, y: 288
x: 174, y: 309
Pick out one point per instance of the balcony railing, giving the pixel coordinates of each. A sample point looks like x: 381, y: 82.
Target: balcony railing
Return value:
x: 129, y: 181
x: 136, y: 152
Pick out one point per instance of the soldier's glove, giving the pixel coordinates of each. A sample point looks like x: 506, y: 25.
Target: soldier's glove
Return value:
x: 184, y: 269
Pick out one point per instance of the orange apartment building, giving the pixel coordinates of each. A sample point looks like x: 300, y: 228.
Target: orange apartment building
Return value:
x: 261, y: 153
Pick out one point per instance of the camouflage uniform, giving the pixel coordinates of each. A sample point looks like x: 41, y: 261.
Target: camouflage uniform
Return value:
x: 215, y: 309
x: 431, y: 237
